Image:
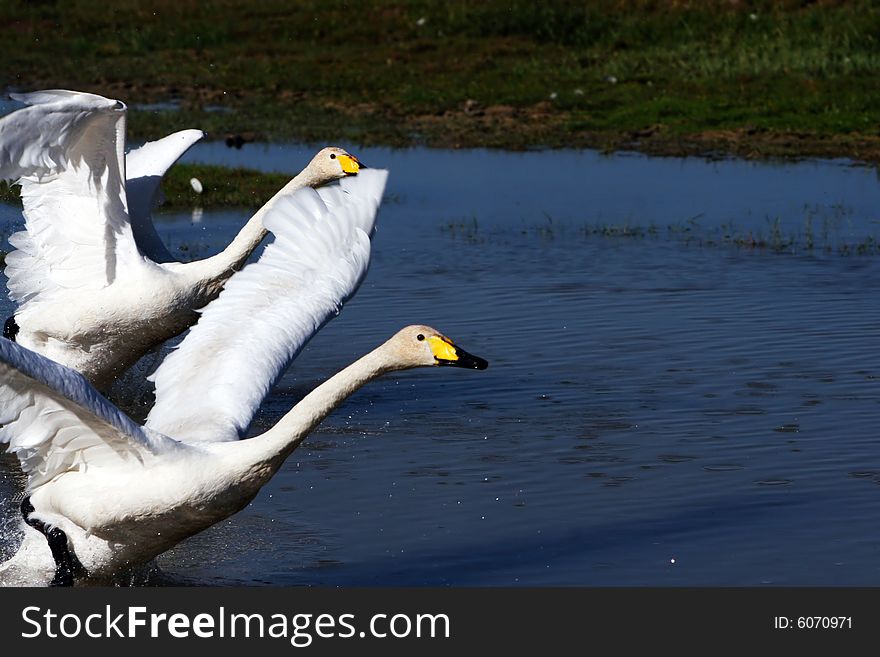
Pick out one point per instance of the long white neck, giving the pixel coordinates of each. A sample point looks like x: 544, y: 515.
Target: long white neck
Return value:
x: 214, y: 271
x: 275, y: 445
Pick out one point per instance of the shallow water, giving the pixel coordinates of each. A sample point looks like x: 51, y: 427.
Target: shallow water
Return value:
x: 665, y: 408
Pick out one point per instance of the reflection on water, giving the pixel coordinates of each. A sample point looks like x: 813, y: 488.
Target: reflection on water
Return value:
x: 657, y: 411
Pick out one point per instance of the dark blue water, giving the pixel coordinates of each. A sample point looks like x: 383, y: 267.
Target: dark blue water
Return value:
x: 666, y: 402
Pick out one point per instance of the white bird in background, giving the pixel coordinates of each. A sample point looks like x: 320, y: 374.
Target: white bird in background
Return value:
x: 96, y: 288
x: 105, y: 494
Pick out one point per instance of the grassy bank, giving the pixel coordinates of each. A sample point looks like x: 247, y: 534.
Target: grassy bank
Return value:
x: 755, y: 79
x: 222, y: 187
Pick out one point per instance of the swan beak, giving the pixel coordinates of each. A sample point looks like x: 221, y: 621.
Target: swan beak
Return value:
x: 350, y: 164
x: 446, y: 353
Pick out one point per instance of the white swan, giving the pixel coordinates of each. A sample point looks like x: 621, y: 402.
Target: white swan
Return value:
x: 95, y: 286
x: 109, y: 494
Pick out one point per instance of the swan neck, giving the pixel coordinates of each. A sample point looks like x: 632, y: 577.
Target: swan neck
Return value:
x: 216, y: 270
x: 279, y: 441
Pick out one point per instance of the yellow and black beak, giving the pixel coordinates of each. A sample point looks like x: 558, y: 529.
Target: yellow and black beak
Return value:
x: 350, y: 164
x: 446, y: 353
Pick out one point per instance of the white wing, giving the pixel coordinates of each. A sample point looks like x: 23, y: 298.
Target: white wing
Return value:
x: 35, y: 140
x: 144, y: 169
x: 210, y: 388
x: 56, y: 422
x: 66, y: 149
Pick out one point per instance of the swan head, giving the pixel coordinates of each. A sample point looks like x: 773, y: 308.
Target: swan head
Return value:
x: 420, y: 346
x: 333, y: 163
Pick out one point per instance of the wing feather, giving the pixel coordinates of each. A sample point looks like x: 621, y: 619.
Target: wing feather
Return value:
x: 55, y: 421
x: 210, y: 388
x: 36, y: 140
x: 144, y: 169
x: 65, y: 149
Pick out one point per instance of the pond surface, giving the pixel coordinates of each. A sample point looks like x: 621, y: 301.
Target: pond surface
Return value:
x: 683, y: 384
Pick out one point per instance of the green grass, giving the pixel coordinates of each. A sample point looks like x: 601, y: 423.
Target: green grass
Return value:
x: 222, y: 187
x: 756, y: 78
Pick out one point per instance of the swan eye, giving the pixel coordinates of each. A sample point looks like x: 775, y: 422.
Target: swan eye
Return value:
x: 332, y: 156
x: 420, y: 337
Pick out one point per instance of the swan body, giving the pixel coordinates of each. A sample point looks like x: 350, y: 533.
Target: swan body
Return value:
x: 95, y: 287
x: 123, y: 494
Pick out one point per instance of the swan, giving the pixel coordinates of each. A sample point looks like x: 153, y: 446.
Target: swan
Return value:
x: 105, y: 494
x: 95, y: 287
x: 110, y: 494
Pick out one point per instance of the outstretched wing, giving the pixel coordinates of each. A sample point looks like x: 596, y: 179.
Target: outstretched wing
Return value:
x: 66, y: 150
x: 144, y: 169
x: 36, y: 140
x: 210, y: 388
x: 56, y: 422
